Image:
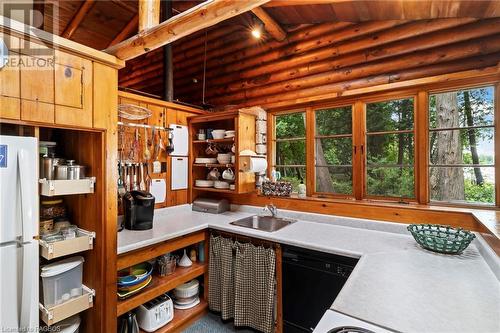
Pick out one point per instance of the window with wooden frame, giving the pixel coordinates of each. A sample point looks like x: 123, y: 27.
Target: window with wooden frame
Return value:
x: 390, y: 151
x: 333, y: 151
x: 290, y: 147
x: 462, y: 147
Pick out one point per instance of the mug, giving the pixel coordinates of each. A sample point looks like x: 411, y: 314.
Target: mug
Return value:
x: 228, y: 174
x: 202, y: 136
x: 211, y: 149
x: 233, y: 148
x: 214, y: 174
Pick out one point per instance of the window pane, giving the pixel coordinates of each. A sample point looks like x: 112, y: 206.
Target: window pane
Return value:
x: 460, y: 185
x: 292, y: 125
x: 334, y: 180
x: 293, y: 175
x: 473, y: 146
x: 334, y: 151
x: 391, y: 182
x: 394, y: 115
x: 291, y: 152
x: 390, y: 149
x: 474, y: 107
x: 334, y: 121
x: 454, y: 147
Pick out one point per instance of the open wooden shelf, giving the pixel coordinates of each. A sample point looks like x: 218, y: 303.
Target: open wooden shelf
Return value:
x: 162, y: 284
x: 213, y: 165
x: 213, y: 189
x: 182, y: 317
x: 226, y: 140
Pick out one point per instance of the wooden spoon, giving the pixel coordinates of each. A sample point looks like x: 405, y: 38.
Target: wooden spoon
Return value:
x: 146, y: 154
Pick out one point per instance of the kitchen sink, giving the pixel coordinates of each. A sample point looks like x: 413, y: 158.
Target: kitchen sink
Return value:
x: 264, y: 223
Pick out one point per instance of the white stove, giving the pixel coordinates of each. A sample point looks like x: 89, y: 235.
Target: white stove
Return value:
x: 335, y: 322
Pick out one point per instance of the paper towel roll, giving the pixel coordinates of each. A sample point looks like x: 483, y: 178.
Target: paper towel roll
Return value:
x: 258, y: 164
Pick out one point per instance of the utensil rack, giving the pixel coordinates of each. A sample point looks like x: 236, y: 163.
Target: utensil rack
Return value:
x: 160, y: 128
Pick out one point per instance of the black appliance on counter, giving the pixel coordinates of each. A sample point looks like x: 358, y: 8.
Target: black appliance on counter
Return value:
x: 138, y: 210
x: 311, y: 282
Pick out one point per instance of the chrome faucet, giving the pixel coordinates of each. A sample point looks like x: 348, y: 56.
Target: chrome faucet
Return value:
x: 273, y: 209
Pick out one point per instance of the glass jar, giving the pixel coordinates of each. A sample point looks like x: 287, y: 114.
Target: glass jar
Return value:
x: 51, y: 209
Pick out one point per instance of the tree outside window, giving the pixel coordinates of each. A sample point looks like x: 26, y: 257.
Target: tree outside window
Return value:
x: 461, y: 142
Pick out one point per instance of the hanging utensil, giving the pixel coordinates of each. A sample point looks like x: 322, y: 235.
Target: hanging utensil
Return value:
x: 156, y: 163
x: 135, y: 185
x: 148, y: 179
x: 146, y: 154
x: 142, y: 184
x: 121, y: 187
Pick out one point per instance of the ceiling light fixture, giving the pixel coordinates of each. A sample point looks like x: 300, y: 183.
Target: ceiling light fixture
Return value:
x: 257, y: 28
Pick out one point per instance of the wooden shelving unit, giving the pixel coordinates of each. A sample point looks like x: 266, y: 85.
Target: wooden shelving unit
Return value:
x: 243, y: 124
x: 160, y: 285
x: 183, y: 317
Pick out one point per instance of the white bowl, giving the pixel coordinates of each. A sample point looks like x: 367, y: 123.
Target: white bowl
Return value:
x: 187, y: 289
x: 218, y: 134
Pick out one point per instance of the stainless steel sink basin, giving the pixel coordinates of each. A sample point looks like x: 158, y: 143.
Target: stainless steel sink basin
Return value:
x: 264, y: 223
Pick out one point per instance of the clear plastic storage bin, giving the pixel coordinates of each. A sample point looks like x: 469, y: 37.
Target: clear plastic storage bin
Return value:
x: 62, y: 281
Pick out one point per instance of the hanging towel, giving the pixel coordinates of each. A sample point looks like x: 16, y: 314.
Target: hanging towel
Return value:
x: 221, y: 277
x: 254, y: 271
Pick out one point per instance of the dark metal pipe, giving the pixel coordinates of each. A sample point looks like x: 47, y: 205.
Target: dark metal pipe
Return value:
x: 168, y: 73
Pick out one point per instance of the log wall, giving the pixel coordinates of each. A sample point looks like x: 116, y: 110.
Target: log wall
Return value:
x: 319, y: 59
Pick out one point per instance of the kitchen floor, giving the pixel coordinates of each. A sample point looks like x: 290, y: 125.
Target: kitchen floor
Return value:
x: 212, y: 323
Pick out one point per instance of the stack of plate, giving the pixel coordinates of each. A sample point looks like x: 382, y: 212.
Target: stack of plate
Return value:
x: 220, y: 184
x: 203, y: 183
x: 186, y: 295
x: 205, y: 160
x: 229, y: 134
x: 133, y: 279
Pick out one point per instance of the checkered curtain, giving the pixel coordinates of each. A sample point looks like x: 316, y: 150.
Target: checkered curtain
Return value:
x: 242, y: 283
x: 254, y: 287
x: 221, y: 276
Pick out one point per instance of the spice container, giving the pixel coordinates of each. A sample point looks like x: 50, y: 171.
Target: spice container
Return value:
x: 51, y: 209
x: 46, y: 226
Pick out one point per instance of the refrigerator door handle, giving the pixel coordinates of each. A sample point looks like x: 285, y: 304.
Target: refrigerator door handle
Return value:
x: 29, y: 204
x: 29, y: 292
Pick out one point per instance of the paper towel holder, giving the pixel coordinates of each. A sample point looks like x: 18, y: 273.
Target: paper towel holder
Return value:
x: 245, y: 162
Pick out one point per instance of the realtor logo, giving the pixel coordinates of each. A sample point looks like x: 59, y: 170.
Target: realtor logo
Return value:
x: 34, y: 15
x: 3, y: 156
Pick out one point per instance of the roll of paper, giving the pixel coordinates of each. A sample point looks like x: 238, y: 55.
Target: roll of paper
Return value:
x: 258, y: 164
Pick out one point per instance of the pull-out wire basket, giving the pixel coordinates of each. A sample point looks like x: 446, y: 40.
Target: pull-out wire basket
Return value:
x: 440, y: 238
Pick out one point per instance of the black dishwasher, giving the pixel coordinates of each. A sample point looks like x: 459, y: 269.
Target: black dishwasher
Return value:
x: 311, y: 282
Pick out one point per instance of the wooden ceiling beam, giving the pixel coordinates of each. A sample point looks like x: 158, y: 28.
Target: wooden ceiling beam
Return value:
x: 197, y: 18
x: 126, y: 31
x: 271, y: 26
x: 78, y: 18
x: 149, y: 14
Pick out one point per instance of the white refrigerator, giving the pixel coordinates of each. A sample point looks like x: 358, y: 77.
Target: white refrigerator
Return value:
x: 19, y: 274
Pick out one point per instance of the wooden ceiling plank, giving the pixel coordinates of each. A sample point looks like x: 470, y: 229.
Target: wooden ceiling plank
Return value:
x: 149, y: 14
x: 197, y: 18
x: 126, y: 31
x: 78, y: 18
x: 271, y: 26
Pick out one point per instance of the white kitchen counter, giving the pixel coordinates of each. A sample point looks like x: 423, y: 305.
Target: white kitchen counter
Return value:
x: 396, y: 284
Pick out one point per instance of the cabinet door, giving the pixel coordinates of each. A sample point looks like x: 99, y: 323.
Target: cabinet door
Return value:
x: 179, y: 179
x: 10, y: 77
x: 37, y: 111
x: 73, y: 90
x: 10, y: 107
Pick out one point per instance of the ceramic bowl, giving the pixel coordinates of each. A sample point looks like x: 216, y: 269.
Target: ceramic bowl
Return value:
x: 218, y: 134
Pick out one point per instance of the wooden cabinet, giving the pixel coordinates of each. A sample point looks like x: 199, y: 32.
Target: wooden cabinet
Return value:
x: 73, y: 90
x: 244, y: 126
x: 52, y: 86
